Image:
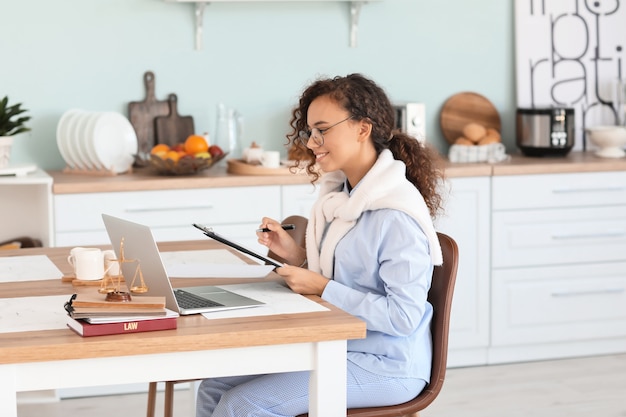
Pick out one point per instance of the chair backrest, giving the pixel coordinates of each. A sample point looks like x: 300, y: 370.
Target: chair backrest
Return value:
x: 440, y: 296
x: 298, y: 234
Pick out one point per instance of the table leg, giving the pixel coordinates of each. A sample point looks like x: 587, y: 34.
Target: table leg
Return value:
x: 327, y: 384
x: 8, y: 392
x: 152, y: 392
x: 193, y: 389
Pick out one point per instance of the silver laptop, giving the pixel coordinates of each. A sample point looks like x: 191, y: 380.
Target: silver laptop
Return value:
x: 139, y: 243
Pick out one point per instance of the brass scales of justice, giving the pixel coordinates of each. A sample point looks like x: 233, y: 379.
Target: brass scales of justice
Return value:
x: 112, y: 284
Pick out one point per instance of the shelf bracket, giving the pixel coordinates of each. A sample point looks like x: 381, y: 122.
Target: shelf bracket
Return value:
x: 200, y: 5
x: 355, y: 12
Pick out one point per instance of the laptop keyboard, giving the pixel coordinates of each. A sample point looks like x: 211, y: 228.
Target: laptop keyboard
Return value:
x: 187, y: 300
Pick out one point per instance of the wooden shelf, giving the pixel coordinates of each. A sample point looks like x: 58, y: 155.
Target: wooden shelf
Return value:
x: 200, y: 6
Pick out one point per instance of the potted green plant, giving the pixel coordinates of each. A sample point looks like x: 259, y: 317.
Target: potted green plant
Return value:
x: 11, y: 124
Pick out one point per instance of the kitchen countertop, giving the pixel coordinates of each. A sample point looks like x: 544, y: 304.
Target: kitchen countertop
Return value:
x: 144, y: 179
x: 573, y: 162
x: 524, y: 165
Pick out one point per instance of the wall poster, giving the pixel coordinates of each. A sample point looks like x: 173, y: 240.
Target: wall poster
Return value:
x: 570, y: 53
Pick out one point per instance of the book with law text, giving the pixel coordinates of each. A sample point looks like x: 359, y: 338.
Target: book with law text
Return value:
x: 87, y: 329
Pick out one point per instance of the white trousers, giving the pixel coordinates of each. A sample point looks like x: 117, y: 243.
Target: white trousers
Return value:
x: 287, y: 394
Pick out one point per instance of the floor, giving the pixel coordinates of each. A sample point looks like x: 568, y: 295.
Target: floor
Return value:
x: 564, y: 388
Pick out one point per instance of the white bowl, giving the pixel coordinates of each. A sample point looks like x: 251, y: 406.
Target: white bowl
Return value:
x: 610, y: 140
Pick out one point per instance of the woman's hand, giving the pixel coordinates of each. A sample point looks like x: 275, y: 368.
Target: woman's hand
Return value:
x: 303, y: 281
x: 280, y: 242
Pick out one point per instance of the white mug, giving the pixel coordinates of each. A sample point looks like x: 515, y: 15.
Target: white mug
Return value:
x: 270, y: 159
x: 88, y: 263
x: 111, y: 264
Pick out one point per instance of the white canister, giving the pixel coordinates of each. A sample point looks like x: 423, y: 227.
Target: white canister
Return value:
x: 253, y: 155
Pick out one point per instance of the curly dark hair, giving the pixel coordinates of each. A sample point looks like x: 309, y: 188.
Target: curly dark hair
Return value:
x: 365, y: 100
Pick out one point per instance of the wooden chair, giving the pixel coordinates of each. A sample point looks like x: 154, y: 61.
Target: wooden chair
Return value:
x: 440, y: 296
x: 298, y: 235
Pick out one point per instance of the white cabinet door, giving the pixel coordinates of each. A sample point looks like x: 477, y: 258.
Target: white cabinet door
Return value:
x: 466, y: 219
x: 552, y: 304
x: 517, y: 192
x: 559, y: 311
x: 298, y: 199
x: 549, y: 237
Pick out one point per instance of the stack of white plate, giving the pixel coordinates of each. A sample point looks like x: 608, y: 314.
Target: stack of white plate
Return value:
x: 90, y: 140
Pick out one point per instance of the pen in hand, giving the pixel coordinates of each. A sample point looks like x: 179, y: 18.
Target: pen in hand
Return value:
x: 284, y: 226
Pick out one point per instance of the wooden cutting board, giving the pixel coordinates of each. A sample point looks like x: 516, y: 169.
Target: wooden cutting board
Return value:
x: 464, y: 108
x: 174, y: 128
x: 142, y: 114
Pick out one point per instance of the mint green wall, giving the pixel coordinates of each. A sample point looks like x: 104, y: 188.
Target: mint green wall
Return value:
x: 257, y: 56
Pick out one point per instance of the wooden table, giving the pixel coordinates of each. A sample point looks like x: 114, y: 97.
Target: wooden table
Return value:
x: 199, y: 348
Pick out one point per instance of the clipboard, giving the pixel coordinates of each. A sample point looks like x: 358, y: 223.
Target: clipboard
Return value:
x: 210, y: 233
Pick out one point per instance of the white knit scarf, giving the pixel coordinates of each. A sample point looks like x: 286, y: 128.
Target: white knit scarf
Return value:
x: 383, y: 187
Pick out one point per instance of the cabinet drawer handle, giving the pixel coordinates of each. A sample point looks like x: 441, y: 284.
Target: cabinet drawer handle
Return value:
x: 589, y: 292
x: 157, y: 209
x: 588, y: 190
x: 589, y: 236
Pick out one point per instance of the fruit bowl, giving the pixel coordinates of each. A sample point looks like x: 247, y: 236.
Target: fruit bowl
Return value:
x: 609, y: 139
x: 187, y: 165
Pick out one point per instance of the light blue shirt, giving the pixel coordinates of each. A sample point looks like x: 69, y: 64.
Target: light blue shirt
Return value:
x: 382, y: 274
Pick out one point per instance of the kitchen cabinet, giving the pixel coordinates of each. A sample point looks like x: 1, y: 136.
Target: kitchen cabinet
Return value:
x: 26, y: 207
x: 466, y: 219
x: 559, y: 266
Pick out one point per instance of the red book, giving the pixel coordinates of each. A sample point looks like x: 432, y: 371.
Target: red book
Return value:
x: 87, y: 329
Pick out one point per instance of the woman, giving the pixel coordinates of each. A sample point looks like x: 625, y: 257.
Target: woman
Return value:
x: 370, y: 250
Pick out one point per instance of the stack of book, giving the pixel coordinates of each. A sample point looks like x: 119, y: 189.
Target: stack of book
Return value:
x: 91, y: 315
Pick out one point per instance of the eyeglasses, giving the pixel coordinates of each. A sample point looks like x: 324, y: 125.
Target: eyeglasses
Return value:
x: 317, y: 134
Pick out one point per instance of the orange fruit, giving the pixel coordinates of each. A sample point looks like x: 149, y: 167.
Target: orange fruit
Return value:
x: 195, y: 144
x: 161, y: 147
